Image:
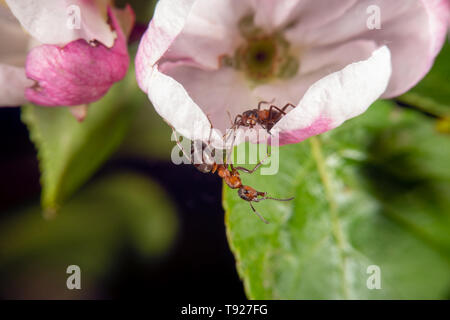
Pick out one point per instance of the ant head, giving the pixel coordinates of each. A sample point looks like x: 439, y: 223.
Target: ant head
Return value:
x: 247, y: 193
x: 204, y: 167
x: 249, y: 113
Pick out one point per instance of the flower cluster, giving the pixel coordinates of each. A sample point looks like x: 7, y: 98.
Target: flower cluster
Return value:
x: 204, y: 60
x: 67, y: 56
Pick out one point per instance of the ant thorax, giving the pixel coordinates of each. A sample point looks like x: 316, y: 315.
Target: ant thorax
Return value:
x: 266, y: 118
x: 250, y: 113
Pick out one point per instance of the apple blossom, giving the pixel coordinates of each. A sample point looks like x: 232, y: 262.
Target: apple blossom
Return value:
x: 203, y: 59
x: 50, y: 62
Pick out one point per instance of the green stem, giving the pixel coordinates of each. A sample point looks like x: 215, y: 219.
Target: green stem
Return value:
x: 316, y: 149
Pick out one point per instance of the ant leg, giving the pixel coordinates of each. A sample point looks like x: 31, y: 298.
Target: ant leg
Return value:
x: 255, y: 168
x: 231, y: 119
x: 282, y: 110
x: 234, y: 124
x: 271, y: 119
x: 288, y: 105
x: 230, y: 150
x: 277, y: 199
x: 265, y: 102
x: 210, y: 130
x: 276, y: 108
x: 259, y: 216
x: 268, y: 154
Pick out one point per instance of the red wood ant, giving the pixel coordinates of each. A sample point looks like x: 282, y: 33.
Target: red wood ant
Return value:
x: 266, y: 118
x: 229, y: 173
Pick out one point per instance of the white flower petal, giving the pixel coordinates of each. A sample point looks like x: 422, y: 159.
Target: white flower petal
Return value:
x: 315, y: 64
x: 48, y: 20
x: 341, y: 71
x: 173, y: 103
x: 13, y: 83
x: 16, y: 42
x: 272, y: 14
x: 336, y: 98
x: 211, y: 31
x: 220, y: 94
x: 303, y: 14
x: 168, y: 21
x: 412, y: 29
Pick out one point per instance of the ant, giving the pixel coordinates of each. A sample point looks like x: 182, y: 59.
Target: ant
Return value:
x: 266, y: 118
x: 229, y: 173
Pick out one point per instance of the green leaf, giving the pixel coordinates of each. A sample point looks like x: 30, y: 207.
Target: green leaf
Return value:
x: 70, y: 152
x: 114, y: 213
x: 142, y: 9
x: 375, y: 191
x: 149, y: 136
x: 432, y: 94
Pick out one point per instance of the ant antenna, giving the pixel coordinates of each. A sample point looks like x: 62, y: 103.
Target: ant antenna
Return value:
x: 265, y: 102
x: 210, y: 129
x: 259, y: 216
x: 229, y: 152
x: 231, y: 119
x: 232, y: 128
x: 270, y: 198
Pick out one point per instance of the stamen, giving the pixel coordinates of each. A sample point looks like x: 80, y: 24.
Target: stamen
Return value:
x: 263, y: 57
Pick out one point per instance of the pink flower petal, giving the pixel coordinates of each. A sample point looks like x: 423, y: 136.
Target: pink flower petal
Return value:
x: 318, y: 126
x: 425, y: 40
x: 48, y: 20
x: 272, y: 14
x: 223, y: 93
x: 79, y: 112
x: 306, y: 14
x: 337, y: 97
x: 211, y: 31
x: 78, y: 73
x: 344, y: 66
x: 439, y: 18
x: 414, y: 31
x: 315, y: 64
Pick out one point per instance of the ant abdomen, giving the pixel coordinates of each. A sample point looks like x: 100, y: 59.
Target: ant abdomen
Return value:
x: 203, y: 156
x: 204, y: 167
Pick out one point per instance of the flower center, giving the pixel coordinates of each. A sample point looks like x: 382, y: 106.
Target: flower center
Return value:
x: 258, y: 57
x: 262, y: 57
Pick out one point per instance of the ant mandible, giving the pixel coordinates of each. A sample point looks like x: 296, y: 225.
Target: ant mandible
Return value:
x: 266, y: 118
x: 229, y: 173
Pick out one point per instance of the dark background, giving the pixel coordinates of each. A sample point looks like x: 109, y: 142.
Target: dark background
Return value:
x: 199, y: 264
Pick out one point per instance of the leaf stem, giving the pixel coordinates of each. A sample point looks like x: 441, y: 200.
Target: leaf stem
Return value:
x: 316, y: 149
